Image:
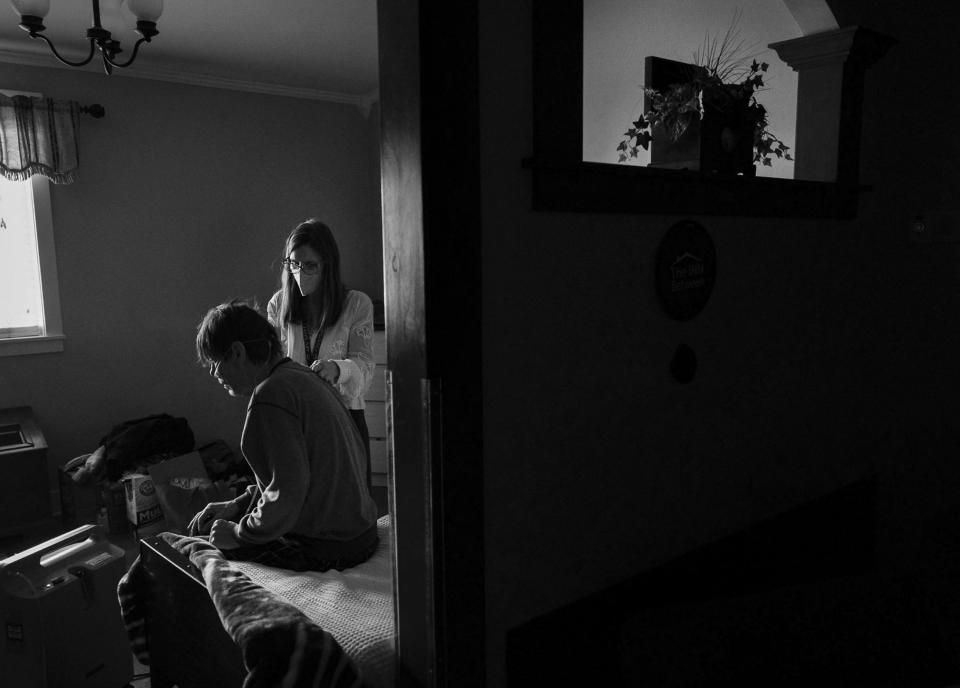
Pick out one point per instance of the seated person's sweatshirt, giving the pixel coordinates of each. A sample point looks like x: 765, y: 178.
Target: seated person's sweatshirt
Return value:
x: 309, y: 462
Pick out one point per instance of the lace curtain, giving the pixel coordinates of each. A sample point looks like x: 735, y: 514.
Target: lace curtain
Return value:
x: 38, y: 136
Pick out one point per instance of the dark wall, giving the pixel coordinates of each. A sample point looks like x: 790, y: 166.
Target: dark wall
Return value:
x: 826, y: 353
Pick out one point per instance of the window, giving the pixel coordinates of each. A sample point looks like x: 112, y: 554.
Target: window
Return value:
x: 29, y: 295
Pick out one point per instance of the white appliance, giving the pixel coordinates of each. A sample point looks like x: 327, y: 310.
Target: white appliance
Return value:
x: 59, y: 615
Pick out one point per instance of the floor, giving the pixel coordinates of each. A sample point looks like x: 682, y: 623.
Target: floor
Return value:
x: 41, y: 532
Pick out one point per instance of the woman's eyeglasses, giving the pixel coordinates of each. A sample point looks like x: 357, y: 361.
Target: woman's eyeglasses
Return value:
x: 307, y: 267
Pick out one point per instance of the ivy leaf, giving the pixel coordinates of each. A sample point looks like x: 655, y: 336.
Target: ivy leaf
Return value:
x: 622, y: 146
x: 644, y: 139
x: 763, y: 67
x: 766, y: 161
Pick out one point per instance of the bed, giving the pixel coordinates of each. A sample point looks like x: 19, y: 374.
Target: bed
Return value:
x: 214, y: 622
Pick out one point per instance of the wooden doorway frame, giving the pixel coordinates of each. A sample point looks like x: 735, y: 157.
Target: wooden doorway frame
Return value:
x: 430, y: 186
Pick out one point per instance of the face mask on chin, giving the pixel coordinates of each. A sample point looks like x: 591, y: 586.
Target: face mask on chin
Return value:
x: 307, y: 283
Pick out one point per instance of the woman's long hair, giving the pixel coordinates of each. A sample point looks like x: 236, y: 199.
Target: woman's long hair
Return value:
x: 331, y: 291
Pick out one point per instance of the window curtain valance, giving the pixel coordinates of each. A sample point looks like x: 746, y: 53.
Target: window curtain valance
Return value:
x: 39, y: 136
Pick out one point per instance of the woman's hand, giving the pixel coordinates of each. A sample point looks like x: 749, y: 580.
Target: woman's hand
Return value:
x: 202, y: 521
x: 328, y: 370
x: 222, y: 534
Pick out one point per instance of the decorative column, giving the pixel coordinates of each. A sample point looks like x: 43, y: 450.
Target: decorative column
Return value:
x: 830, y: 68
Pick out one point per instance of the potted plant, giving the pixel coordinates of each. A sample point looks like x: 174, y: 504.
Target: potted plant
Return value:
x: 705, y: 115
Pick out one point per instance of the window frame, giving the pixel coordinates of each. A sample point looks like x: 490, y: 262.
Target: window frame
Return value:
x: 52, y: 339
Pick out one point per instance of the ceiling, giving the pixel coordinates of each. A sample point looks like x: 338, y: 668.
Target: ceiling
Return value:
x: 320, y: 49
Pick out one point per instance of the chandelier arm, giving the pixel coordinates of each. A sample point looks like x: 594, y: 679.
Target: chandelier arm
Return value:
x: 133, y: 55
x: 59, y: 56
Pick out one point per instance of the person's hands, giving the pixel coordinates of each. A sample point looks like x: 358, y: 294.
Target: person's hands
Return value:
x: 328, y: 370
x: 222, y: 534
x: 202, y: 521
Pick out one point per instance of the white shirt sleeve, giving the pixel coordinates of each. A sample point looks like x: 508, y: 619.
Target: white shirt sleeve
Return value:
x: 273, y: 315
x: 356, y: 370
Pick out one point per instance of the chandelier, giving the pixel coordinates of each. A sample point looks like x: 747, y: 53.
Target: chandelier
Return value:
x: 147, y: 12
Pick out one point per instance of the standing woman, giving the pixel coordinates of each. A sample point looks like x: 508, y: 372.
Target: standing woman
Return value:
x: 321, y: 323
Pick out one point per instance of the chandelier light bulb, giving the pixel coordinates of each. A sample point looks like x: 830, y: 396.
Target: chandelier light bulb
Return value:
x: 146, y: 10
x: 33, y: 8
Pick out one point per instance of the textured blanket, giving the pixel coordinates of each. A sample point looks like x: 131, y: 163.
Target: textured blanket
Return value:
x: 355, y: 605
x: 281, y: 647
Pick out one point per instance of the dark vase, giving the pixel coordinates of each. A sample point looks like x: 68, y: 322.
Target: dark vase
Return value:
x: 720, y: 143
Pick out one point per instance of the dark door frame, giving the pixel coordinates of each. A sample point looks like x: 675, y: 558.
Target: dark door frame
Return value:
x: 430, y: 184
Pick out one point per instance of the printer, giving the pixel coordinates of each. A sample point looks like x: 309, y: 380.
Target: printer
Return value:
x: 60, y: 624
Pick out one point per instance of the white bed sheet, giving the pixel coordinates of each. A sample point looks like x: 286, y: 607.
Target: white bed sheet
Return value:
x: 355, y: 606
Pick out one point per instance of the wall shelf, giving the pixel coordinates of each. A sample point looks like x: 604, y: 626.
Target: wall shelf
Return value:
x: 608, y: 188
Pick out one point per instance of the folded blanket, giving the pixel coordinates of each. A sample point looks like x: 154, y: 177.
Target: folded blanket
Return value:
x: 280, y: 645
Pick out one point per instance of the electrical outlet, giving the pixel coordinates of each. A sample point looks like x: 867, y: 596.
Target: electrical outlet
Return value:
x: 934, y: 228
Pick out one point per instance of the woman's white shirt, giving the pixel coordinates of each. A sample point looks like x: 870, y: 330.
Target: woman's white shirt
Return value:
x: 348, y: 343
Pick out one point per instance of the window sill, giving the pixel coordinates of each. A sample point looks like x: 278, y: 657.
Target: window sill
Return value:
x: 25, y: 346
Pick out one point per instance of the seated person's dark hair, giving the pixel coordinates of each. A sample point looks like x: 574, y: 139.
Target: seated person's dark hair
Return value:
x: 236, y: 321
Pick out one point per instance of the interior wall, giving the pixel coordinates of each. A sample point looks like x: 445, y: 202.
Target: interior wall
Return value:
x: 183, y: 200
x: 826, y: 352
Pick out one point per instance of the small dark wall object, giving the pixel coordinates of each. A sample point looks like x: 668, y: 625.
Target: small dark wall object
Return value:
x: 683, y: 365
x: 686, y: 269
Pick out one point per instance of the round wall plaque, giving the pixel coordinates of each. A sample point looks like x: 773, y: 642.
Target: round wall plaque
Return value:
x: 686, y: 269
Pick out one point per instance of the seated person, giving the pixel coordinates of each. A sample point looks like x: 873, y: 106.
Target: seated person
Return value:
x: 310, y: 508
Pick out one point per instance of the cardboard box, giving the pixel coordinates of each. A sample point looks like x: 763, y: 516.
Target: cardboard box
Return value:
x: 184, y: 488
x: 188, y: 465
x: 143, y: 507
